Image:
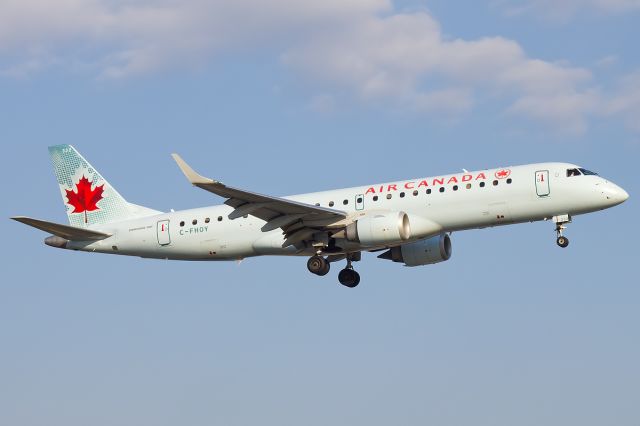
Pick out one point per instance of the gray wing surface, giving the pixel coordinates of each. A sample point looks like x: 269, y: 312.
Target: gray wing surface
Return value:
x: 65, y: 231
x: 298, y: 220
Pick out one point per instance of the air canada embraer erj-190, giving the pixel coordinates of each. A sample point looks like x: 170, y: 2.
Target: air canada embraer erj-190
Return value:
x: 409, y: 221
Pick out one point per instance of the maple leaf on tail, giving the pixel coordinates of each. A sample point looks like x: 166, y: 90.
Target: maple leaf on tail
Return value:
x: 85, y: 199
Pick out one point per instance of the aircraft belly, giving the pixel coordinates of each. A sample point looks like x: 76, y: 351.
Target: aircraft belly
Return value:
x: 271, y: 244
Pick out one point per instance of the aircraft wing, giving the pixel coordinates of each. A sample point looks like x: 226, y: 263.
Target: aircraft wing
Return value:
x: 298, y: 220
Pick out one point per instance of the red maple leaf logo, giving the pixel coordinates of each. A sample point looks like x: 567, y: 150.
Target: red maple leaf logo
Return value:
x: 85, y: 199
x: 501, y: 174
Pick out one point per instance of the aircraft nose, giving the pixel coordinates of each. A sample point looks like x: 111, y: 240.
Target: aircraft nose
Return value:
x: 615, y: 195
x: 624, y: 195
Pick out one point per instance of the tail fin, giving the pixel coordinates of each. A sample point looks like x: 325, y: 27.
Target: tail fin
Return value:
x: 88, y: 197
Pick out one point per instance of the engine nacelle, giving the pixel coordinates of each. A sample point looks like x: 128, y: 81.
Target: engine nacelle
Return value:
x: 380, y: 228
x: 424, y: 252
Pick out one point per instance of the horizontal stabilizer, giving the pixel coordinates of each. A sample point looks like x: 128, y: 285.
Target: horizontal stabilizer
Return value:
x: 65, y: 231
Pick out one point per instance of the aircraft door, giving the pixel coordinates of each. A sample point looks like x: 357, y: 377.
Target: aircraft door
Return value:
x: 359, y: 202
x: 542, y: 183
x: 164, y: 238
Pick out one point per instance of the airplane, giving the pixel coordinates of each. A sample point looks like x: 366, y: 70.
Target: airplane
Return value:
x: 409, y: 221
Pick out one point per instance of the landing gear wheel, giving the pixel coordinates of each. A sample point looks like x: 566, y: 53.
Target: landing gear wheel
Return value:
x: 349, y: 278
x: 325, y: 270
x: 562, y: 241
x: 318, y: 265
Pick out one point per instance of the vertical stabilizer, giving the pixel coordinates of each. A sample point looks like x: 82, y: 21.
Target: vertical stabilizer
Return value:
x: 88, y: 197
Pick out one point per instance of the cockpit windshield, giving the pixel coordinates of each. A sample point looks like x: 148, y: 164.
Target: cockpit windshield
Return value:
x: 579, y: 172
x: 587, y: 172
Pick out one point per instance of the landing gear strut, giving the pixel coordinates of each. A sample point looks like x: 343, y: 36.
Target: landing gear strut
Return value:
x: 318, y: 265
x: 561, y: 221
x: 348, y: 277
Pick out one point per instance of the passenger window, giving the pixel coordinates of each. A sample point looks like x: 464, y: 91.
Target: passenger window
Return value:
x: 429, y: 191
x: 495, y: 183
x: 219, y: 218
x: 330, y: 203
x: 206, y: 220
x: 359, y: 200
x: 182, y: 223
x: 345, y: 202
x: 509, y: 181
x: 194, y: 221
x: 375, y: 198
x: 389, y: 196
x: 317, y: 204
x: 442, y: 189
x: 573, y: 172
x: 455, y: 187
x: 402, y: 195
x: 481, y: 184
x: 415, y: 193
x: 468, y: 186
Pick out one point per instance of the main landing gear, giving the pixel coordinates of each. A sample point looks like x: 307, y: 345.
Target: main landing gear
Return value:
x: 348, y: 277
x: 318, y: 265
x: 561, y: 221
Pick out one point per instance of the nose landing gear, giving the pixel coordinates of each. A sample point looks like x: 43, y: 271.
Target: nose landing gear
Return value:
x: 561, y: 221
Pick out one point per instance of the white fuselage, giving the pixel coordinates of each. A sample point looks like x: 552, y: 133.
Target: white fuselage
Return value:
x: 460, y: 201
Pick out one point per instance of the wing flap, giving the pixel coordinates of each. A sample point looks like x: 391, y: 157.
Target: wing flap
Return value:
x: 65, y: 231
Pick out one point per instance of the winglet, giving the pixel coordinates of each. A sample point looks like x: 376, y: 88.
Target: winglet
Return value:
x: 191, y: 174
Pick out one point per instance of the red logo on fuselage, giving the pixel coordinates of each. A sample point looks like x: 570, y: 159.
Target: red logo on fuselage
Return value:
x: 503, y: 173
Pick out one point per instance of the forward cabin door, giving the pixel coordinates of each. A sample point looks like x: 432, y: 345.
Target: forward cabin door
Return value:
x: 542, y: 183
x: 164, y: 239
x: 360, y: 202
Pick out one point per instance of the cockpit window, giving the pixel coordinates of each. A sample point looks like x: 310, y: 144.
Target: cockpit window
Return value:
x: 573, y: 172
x: 587, y: 172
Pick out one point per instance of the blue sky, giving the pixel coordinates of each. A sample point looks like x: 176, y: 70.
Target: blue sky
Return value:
x: 290, y: 97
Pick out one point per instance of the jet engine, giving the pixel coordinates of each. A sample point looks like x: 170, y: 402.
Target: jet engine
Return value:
x: 380, y: 228
x: 423, y: 252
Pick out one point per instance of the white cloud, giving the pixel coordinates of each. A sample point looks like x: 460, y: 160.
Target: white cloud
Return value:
x: 398, y: 57
x: 359, y: 48
x: 625, y: 101
x: 565, y: 110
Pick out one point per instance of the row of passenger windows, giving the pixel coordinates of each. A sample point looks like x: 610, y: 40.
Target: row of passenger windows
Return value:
x: 375, y: 198
x: 206, y: 220
x: 416, y: 192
